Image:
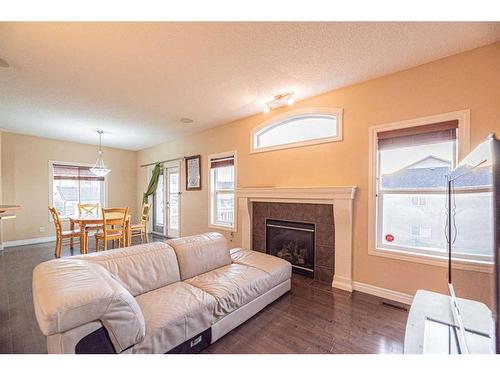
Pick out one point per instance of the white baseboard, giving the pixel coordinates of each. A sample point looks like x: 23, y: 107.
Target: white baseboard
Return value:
x: 29, y: 241
x: 349, y: 285
x: 343, y: 283
x: 383, y: 293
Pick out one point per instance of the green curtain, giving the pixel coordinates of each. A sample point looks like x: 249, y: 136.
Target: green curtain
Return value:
x: 153, y: 183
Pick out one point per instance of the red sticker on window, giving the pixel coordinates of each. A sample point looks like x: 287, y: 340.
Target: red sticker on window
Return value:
x: 389, y: 237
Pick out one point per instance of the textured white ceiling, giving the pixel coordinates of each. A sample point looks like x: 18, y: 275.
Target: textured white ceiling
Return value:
x: 136, y: 80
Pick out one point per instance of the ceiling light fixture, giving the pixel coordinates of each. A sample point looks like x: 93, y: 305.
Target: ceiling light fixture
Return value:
x: 279, y: 100
x: 99, y: 169
x: 186, y: 120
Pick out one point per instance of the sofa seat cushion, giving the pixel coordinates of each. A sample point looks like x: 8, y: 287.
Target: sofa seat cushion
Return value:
x: 173, y: 314
x: 232, y: 286
x: 279, y: 269
x: 139, y: 268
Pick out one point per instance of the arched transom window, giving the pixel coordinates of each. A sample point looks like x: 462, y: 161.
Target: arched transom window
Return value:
x: 303, y: 127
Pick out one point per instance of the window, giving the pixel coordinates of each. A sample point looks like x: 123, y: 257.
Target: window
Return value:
x: 409, y: 161
x: 420, y: 232
x: 418, y: 200
x: 222, y: 191
x: 72, y: 184
x: 411, y: 186
x: 407, y: 209
x: 415, y: 230
x: 298, y: 128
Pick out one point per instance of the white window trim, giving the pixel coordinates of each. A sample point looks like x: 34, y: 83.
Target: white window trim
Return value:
x: 232, y: 228
x: 463, y: 144
x: 51, y: 183
x: 338, y: 112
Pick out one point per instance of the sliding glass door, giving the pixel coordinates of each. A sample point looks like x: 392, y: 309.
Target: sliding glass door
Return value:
x: 166, y: 202
x: 173, y: 197
x: 159, y: 205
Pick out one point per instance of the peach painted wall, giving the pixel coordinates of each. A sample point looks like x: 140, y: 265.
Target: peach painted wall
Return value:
x: 25, y: 179
x: 469, y: 80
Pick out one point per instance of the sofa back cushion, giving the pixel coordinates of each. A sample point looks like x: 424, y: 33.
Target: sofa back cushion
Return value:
x: 139, y: 268
x: 201, y: 253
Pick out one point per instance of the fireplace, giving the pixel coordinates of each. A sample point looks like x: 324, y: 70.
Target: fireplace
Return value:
x: 330, y: 208
x: 311, y: 223
x: 294, y: 242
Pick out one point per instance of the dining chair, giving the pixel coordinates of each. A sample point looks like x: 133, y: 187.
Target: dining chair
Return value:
x: 61, y: 234
x: 141, y: 229
x: 90, y: 209
x: 113, y: 228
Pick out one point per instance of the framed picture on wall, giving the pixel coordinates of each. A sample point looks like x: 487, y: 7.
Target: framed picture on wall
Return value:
x: 193, y: 172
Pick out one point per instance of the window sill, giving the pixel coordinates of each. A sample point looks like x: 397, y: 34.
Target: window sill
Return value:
x: 222, y: 227
x: 463, y: 264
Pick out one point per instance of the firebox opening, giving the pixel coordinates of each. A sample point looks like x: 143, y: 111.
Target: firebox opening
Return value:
x: 292, y: 241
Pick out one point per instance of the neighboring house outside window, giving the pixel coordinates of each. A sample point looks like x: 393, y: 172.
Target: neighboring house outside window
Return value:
x: 72, y: 183
x: 412, y: 165
x: 418, y: 201
x: 222, y: 191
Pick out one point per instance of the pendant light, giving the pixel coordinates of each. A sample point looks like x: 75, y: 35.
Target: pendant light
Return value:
x: 99, y: 169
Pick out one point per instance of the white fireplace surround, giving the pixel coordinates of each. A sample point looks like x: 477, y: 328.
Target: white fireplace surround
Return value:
x: 341, y: 199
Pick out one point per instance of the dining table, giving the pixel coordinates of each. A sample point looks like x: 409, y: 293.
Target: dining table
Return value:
x: 87, y: 220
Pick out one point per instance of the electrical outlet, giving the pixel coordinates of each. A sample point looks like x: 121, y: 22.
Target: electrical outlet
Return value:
x: 42, y: 229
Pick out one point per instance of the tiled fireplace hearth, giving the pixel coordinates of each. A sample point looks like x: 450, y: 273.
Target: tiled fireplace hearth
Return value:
x: 272, y: 232
x: 326, y: 211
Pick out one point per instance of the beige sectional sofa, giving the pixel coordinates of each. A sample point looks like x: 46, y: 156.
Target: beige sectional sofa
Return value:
x: 174, y: 296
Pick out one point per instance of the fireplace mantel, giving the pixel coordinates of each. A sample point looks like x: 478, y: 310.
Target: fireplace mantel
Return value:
x: 341, y: 197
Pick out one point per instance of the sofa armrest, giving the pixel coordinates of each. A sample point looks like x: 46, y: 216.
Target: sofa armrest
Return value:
x: 68, y: 293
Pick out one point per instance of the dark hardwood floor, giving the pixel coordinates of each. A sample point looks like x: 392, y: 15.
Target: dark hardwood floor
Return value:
x: 311, y: 318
